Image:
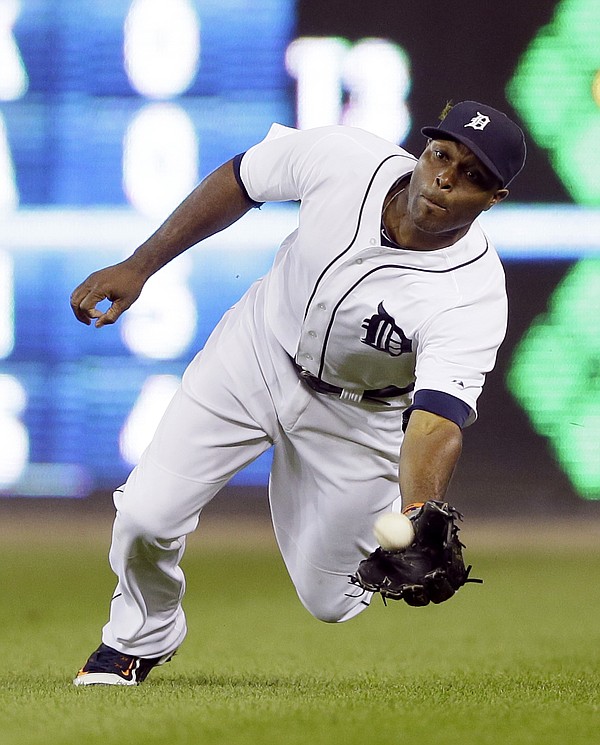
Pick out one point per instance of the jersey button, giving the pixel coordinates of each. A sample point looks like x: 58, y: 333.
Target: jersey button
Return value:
x: 322, y: 306
x: 359, y: 261
x: 372, y: 241
x: 312, y: 333
x: 308, y: 356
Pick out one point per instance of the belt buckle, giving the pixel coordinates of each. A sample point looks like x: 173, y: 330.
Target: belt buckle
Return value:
x: 354, y: 397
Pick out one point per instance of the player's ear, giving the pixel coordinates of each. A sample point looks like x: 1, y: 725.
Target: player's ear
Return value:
x: 499, y: 196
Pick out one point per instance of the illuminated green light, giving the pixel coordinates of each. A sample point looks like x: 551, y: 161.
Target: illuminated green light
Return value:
x: 579, y: 452
x: 578, y: 19
x: 555, y: 376
x: 556, y: 90
x: 578, y: 161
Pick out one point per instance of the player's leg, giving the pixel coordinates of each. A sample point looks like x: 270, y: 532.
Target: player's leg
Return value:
x: 334, y: 473
x: 160, y: 503
x: 221, y: 419
x: 157, y: 507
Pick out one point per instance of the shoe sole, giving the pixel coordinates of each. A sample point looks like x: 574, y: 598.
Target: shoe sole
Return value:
x: 102, y: 679
x: 113, y: 679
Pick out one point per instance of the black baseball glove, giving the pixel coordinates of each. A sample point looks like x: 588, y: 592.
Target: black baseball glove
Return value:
x: 431, y: 569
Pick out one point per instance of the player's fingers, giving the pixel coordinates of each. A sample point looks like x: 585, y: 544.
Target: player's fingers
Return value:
x: 80, y: 316
x: 83, y: 304
x: 110, y: 316
x: 439, y: 588
x: 81, y: 313
x: 415, y: 595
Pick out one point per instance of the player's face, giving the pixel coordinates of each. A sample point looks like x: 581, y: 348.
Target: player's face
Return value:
x: 449, y: 188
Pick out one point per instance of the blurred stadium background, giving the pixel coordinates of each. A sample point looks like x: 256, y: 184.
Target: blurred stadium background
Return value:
x: 111, y: 111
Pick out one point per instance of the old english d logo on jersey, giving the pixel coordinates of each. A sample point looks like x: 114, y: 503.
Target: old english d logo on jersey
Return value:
x: 382, y: 333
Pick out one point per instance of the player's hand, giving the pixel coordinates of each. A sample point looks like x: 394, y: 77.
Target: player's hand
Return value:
x: 121, y: 284
x: 430, y: 569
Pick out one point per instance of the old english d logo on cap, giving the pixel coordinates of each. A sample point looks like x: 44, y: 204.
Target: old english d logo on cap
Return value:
x: 479, y: 122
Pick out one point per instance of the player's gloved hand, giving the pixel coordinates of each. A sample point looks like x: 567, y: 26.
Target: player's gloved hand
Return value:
x: 121, y: 284
x: 431, y: 569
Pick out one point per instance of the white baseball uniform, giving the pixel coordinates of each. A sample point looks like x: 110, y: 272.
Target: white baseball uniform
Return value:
x: 355, y: 312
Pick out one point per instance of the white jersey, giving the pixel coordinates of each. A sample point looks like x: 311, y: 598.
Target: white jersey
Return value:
x: 360, y: 315
x: 355, y: 312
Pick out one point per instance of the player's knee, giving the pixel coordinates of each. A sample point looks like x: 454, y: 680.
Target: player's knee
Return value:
x: 152, y: 518
x: 146, y: 525
x: 332, y: 609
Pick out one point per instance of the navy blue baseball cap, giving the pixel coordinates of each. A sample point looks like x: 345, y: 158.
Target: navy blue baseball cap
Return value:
x: 495, y: 139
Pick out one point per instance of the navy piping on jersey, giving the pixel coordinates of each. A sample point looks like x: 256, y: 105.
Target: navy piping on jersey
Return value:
x: 440, y: 403
x: 237, y: 162
x: 380, y: 268
x: 360, y: 213
x: 436, y: 402
x: 385, y: 241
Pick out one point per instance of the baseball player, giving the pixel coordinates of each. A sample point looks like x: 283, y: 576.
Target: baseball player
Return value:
x: 360, y: 357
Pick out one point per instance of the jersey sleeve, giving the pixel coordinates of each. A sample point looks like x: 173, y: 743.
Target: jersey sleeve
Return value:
x: 291, y: 164
x: 269, y: 171
x: 237, y: 161
x: 456, y: 350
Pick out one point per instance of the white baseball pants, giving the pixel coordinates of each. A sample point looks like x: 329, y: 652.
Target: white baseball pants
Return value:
x: 334, y: 471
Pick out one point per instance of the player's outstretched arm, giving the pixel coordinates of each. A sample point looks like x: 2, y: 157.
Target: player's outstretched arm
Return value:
x: 431, y: 568
x: 217, y: 202
x: 430, y: 451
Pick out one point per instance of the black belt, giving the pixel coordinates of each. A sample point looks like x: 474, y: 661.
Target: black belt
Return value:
x: 320, y: 386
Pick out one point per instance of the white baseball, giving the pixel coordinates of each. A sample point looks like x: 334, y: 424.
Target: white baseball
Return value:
x: 394, y: 531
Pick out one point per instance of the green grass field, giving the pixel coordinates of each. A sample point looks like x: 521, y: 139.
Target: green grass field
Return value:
x: 515, y: 661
